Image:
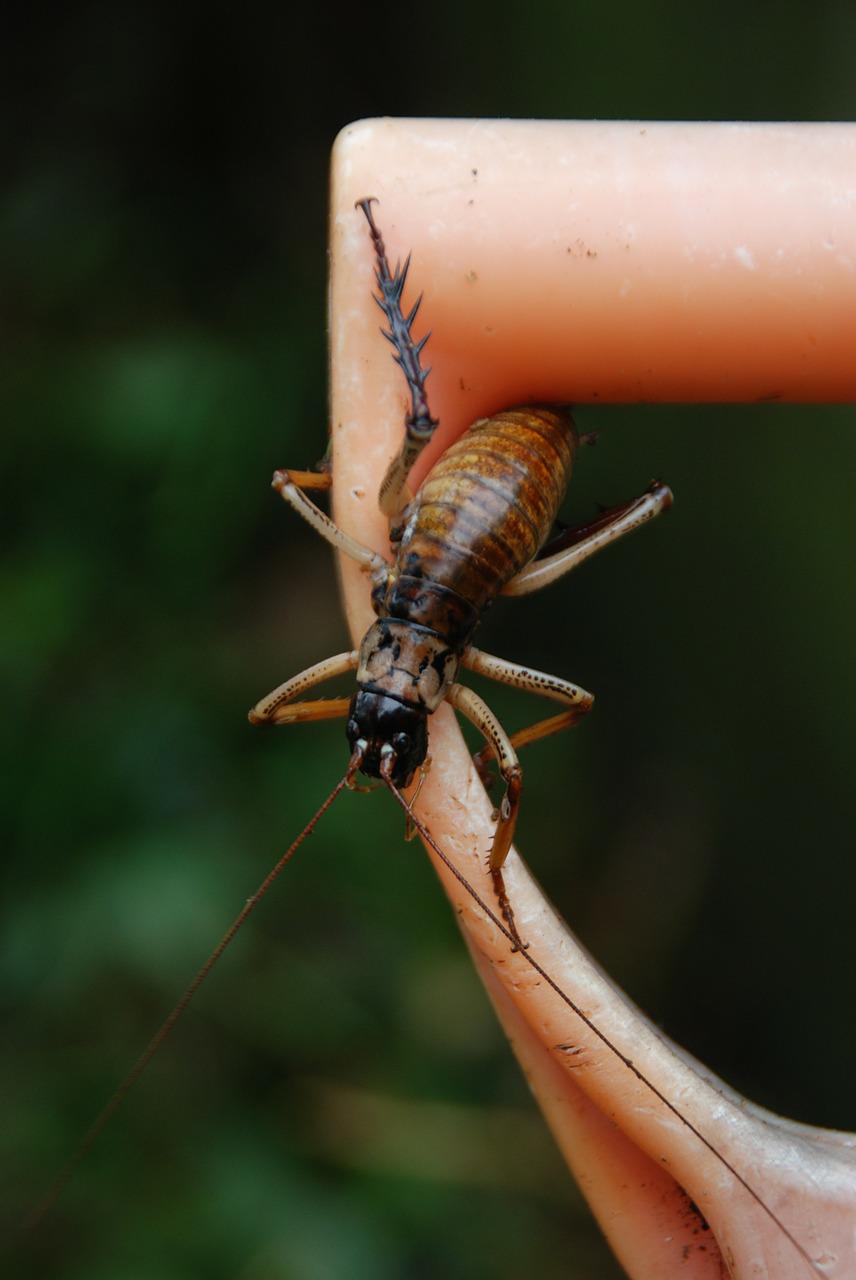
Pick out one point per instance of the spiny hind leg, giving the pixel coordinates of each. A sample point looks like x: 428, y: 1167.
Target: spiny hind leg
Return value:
x: 419, y: 426
x: 277, y: 706
x: 575, y: 545
x: 578, y: 701
x: 499, y: 743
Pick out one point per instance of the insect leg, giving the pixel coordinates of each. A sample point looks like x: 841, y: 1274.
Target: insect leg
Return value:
x: 577, y: 700
x: 580, y: 543
x: 277, y: 707
x: 308, y: 479
x: 419, y: 426
x: 291, y: 492
x: 498, y: 741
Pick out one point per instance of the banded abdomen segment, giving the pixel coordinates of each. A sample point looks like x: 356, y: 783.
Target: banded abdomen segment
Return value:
x: 489, y: 503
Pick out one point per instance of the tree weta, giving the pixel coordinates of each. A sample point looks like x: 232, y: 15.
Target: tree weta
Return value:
x: 477, y: 528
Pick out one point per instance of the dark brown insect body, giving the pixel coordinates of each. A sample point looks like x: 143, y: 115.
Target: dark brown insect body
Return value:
x: 482, y: 514
x: 487, y: 507
x: 475, y: 529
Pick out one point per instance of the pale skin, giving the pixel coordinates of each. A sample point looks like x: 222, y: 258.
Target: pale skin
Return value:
x: 564, y: 298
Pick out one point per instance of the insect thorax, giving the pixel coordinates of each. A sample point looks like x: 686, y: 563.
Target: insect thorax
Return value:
x: 405, y: 671
x: 408, y: 662
x: 426, y: 605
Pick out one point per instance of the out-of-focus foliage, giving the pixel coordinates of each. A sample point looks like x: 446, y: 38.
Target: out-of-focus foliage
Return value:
x: 339, y: 1102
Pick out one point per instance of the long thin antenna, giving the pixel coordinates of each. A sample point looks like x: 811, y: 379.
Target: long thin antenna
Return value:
x: 386, y: 769
x: 35, y: 1216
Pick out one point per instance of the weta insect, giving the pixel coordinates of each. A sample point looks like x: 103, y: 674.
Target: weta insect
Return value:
x: 476, y: 529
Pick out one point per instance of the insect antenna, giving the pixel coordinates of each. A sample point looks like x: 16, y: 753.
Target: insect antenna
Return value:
x: 38, y: 1212
x: 386, y: 770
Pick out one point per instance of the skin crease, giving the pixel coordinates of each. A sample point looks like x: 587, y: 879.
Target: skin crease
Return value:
x: 559, y: 262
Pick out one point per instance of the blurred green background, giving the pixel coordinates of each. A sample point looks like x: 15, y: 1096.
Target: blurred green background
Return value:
x: 339, y: 1102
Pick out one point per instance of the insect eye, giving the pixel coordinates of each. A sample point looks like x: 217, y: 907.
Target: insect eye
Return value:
x: 401, y: 743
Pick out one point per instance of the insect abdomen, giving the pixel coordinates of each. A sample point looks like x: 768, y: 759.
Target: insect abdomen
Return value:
x: 489, y: 503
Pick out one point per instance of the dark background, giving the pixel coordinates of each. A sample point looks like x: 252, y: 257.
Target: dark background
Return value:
x: 339, y: 1102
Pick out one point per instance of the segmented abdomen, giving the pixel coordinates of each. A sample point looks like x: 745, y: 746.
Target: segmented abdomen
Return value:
x: 489, y: 503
